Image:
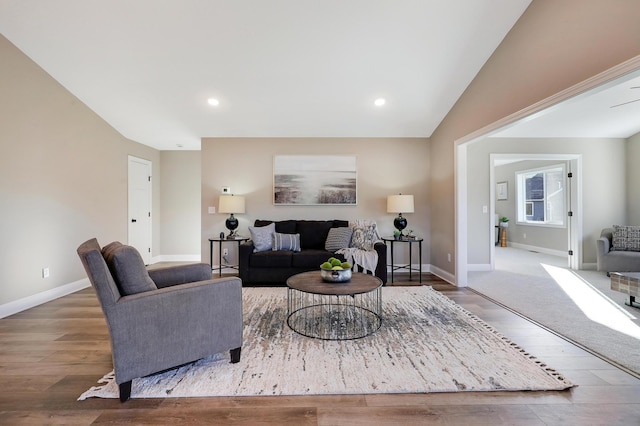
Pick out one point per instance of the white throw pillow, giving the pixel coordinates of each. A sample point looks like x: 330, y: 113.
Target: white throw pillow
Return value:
x: 262, y: 237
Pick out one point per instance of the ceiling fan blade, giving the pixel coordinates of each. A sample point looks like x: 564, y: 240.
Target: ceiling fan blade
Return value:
x: 625, y: 103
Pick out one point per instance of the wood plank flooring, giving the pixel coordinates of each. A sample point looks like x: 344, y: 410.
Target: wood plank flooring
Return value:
x: 50, y: 354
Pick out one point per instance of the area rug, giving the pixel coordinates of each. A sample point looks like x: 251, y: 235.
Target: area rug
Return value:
x: 427, y: 343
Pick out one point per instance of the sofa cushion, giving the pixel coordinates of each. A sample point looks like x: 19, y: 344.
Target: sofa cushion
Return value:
x: 271, y: 259
x: 626, y: 238
x: 282, y: 226
x: 262, y: 237
x: 338, y: 238
x: 128, y: 269
x: 287, y: 242
x: 313, y: 233
x: 312, y: 258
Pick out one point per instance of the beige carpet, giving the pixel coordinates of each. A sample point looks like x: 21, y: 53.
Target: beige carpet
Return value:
x: 427, y: 343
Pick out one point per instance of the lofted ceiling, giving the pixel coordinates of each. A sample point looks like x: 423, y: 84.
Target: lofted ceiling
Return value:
x: 279, y: 68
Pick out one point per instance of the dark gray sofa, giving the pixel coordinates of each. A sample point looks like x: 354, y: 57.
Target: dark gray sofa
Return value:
x: 274, y: 267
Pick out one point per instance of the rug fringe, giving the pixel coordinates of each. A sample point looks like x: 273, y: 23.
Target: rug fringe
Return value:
x: 552, y: 371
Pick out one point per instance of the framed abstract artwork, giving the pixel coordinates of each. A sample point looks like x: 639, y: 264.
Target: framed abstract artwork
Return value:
x: 502, y: 190
x: 314, y: 180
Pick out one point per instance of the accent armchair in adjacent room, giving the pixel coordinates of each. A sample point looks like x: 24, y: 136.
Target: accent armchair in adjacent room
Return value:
x: 161, y: 318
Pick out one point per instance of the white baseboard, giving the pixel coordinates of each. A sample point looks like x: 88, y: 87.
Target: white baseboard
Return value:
x: 590, y: 266
x: 479, y: 267
x: 539, y: 249
x: 43, y: 297
x: 450, y: 278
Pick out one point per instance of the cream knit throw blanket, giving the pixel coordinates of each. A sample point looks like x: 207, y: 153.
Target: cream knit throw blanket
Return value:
x: 367, y: 259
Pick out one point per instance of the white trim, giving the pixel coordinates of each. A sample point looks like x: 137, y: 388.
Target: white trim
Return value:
x: 450, y: 278
x: 601, y: 80
x: 479, y: 267
x: 542, y: 250
x: 42, y: 297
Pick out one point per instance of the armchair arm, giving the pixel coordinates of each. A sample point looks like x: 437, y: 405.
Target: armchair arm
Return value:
x: 381, y: 267
x: 164, y: 328
x: 174, y: 275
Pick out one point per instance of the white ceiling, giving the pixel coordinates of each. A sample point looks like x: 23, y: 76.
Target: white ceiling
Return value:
x: 280, y: 68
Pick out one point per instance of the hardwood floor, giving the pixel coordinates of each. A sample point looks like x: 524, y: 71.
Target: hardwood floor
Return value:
x: 50, y: 354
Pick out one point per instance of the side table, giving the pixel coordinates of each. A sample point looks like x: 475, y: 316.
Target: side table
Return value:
x: 411, y: 242
x: 220, y: 242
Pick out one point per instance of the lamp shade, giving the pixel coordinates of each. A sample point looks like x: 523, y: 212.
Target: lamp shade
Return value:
x: 231, y: 204
x: 400, y: 203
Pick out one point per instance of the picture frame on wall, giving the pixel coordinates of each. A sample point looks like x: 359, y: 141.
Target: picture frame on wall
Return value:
x: 315, y: 180
x: 502, y: 190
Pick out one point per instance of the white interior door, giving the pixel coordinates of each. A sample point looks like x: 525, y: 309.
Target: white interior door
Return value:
x: 140, y: 207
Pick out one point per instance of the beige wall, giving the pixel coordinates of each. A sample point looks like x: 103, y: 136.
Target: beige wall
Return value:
x: 180, y: 205
x: 555, y: 45
x: 63, y: 179
x: 633, y: 180
x: 385, y: 166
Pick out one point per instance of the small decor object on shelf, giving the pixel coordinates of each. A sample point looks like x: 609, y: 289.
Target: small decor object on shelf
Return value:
x: 397, y: 235
x: 504, y: 222
x: 335, y: 271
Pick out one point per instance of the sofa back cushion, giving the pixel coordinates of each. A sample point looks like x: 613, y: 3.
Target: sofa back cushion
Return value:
x: 282, y: 226
x: 128, y: 269
x: 313, y: 233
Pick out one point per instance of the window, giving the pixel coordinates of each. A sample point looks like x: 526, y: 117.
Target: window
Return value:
x: 541, y: 196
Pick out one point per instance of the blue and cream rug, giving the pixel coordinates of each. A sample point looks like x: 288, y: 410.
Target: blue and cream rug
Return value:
x: 427, y: 343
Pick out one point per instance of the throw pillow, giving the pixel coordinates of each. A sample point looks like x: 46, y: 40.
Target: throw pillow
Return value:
x: 338, y: 238
x: 286, y: 242
x: 262, y: 237
x: 626, y: 238
x: 364, y: 237
x: 128, y: 269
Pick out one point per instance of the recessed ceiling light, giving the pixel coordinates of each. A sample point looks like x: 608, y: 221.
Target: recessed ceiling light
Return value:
x: 213, y: 102
x: 380, y: 102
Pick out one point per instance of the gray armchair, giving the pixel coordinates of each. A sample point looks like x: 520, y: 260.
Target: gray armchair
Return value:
x: 611, y: 260
x: 172, y: 316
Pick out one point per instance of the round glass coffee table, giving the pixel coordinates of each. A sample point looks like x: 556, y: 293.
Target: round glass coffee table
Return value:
x: 334, y: 311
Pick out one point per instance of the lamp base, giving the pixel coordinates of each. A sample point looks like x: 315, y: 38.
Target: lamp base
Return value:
x: 231, y: 224
x: 400, y: 223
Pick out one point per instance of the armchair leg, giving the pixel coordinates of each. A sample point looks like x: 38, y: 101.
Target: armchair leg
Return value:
x: 125, y: 391
x: 235, y: 355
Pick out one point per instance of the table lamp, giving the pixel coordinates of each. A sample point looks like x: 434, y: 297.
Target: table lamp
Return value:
x: 231, y: 204
x: 400, y: 204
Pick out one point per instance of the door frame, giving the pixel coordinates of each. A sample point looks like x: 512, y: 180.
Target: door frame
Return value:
x: 146, y: 256
x: 598, y: 82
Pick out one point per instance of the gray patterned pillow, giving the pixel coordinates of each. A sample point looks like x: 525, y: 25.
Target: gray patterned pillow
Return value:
x: 262, y: 237
x: 364, y: 237
x: 338, y: 238
x: 626, y: 238
x: 286, y: 242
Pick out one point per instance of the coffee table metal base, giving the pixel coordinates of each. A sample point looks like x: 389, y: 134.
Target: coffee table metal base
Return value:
x: 334, y: 317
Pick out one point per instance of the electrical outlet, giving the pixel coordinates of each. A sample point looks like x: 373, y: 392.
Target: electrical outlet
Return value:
x: 524, y: 236
x: 225, y: 252
x: 45, y: 272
